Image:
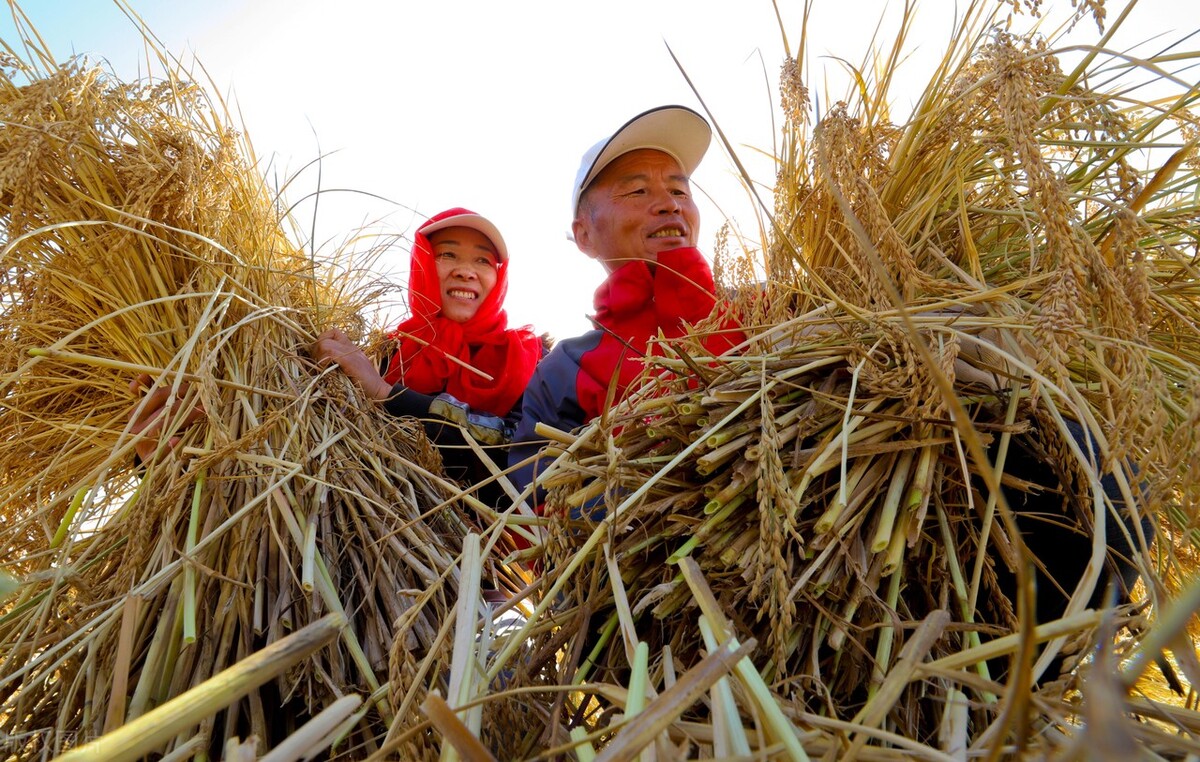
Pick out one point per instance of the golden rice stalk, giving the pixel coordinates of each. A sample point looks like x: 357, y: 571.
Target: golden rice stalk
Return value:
x: 138, y: 236
x: 949, y: 301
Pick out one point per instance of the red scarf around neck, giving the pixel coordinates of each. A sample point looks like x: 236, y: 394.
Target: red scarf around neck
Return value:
x: 427, y: 340
x: 638, y: 302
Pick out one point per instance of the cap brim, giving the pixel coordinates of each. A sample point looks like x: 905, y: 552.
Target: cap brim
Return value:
x: 677, y: 131
x: 474, y: 222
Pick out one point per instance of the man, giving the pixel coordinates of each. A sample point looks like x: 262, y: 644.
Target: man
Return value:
x: 634, y: 213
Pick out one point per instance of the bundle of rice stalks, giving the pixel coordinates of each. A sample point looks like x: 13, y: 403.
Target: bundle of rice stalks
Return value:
x: 139, y: 237
x: 969, y: 393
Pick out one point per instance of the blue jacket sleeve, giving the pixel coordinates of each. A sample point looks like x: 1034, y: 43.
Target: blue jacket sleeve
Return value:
x: 550, y: 398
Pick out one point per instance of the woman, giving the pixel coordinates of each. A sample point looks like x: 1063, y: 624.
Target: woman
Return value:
x: 455, y: 357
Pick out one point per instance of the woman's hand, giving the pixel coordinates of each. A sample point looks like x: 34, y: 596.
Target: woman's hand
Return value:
x: 333, y: 346
x: 148, y: 415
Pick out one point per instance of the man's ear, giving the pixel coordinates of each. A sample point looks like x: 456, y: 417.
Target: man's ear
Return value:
x: 582, y: 235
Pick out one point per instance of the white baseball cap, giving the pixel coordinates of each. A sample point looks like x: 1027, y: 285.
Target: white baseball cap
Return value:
x: 677, y: 131
x: 465, y: 218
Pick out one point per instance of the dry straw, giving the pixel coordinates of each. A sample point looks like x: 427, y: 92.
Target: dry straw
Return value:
x: 984, y: 312
x: 139, y: 236
x: 810, y: 547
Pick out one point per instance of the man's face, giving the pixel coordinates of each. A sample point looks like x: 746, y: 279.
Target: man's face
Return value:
x: 638, y: 206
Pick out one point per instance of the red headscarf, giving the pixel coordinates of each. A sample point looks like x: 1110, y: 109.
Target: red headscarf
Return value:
x: 427, y: 339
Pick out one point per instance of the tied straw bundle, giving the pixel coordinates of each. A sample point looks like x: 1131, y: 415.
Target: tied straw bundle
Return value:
x: 969, y: 320
x: 139, y: 238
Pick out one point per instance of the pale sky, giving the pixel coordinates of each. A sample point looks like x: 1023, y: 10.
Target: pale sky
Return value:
x: 489, y: 104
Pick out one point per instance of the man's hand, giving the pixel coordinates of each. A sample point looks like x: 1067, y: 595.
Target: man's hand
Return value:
x: 148, y: 416
x: 333, y: 346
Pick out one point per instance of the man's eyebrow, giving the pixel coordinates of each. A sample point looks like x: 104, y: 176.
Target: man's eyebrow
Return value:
x: 635, y: 176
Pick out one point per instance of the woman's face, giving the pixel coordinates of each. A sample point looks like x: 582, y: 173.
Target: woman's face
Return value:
x: 466, y: 268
